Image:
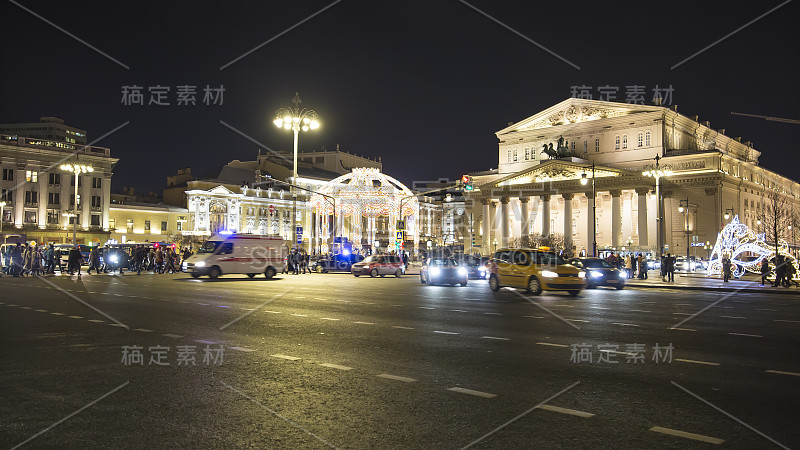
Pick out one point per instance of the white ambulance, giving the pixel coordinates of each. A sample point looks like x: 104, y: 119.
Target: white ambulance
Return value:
x: 238, y: 253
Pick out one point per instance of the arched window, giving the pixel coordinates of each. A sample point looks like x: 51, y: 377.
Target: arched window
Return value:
x: 625, y: 141
x: 616, y: 142
x: 640, y: 139
x: 647, y: 138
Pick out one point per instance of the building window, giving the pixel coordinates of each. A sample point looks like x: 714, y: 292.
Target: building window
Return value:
x: 640, y: 139
x: 74, y: 219
x: 6, y: 196
x: 597, y: 145
x: 32, y: 176
x: 515, y: 155
x: 163, y: 227
x: 52, y: 216
x: 508, y: 155
x: 72, y: 181
x: 616, y: 142
x: 573, y: 146
x: 179, y: 225
x: 112, y: 224
x: 54, y: 179
x: 96, y: 203
x: 54, y: 198
x: 146, y: 225
x: 97, y: 183
x: 647, y: 138
x: 6, y: 214
x: 31, y: 197
x: 625, y: 141
x: 8, y: 174
x: 130, y: 226
x: 527, y: 153
x: 585, y: 146
x: 30, y: 216
x: 95, y: 222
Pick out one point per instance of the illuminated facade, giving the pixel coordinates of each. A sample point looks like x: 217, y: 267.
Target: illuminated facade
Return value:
x: 530, y: 193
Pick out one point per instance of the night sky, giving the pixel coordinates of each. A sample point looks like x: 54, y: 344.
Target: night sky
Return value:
x: 424, y: 85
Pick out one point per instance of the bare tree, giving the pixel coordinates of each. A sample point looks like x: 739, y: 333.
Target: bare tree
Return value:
x: 777, y: 216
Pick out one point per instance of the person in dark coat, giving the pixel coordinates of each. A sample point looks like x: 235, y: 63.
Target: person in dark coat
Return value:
x: 780, y: 270
x: 94, y: 260
x: 726, y: 269
x: 74, y: 261
x: 670, y: 260
x: 764, y: 270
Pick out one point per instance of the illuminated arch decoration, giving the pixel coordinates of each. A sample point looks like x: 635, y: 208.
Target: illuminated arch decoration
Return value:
x: 737, y: 241
x: 366, y: 192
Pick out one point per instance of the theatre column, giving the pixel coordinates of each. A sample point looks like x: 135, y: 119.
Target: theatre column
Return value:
x: 591, y: 231
x: 545, y: 215
x: 486, y: 226
x: 504, y: 216
x: 567, y: 223
x: 616, y: 219
x: 642, y: 218
x: 525, y: 226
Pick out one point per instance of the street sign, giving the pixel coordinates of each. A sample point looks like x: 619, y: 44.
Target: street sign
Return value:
x: 401, y: 224
x: 399, y: 236
x: 299, y: 231
x: 271, y: 209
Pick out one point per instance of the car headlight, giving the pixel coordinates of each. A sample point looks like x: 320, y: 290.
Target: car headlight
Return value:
x: 596, y: 274
x: 435, y: 271
x: 622, y: 275
x: 483, y: 269
x: 581, y: 274
x: 200, y: 264
x: 462, y: 271
x: 549, y: 274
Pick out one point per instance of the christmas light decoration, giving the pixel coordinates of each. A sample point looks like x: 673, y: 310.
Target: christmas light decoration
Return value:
x: 745, y: 249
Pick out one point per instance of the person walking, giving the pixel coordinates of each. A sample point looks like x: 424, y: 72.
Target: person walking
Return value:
x: 73, y: 261
x: 94, y: 260
x: 296, y: 262
x: 726, y: 269
x: 780, y: 270
x: 790, y: 274
x: 670, y: 261
x: 628, y: 267
x: 764, y: 271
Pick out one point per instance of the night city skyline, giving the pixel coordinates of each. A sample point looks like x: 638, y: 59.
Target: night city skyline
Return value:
x: 423, y: 87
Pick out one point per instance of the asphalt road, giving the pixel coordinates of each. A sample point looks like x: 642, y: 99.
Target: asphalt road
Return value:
x: 329, y: 360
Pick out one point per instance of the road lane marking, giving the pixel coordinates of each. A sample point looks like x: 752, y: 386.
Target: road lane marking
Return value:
x: 687, y: 435
x: 683, y: 304
x: 697, y: 362
x: 598, y: 307
x: 551, y: 344
x: 648, y: 303
x: 571, y: 412
x: 425, y: 307
x: 781, y: 372
x: 493, y: 314
x: 577, y: 320
x: 682, y: 329
x: 57, y: 313
x: 472, y: 392
x: 328, y: 318
x: 143, y: 330
x: 776, y: 320
x: 365, y: 323
x: 223, y: 306
x: 290, y: 358
x: 683, y: 314
x: 402, y: 328
x: 204, y: 304
x: 745, y: 334
x: 273, y: 312
x: 204, y: 342
x: 765, y: 309
x: 242, y: 349
x: 639, y: 310
x: 300, y: 315
x: 445, y: 332
x: 624, y: 324
x: 534, y: 317
x: 172, y: 335
x: 76, y: 317
x: 118, y: 325
x: 457, y: 310
x: 495, y: 338
x: 734, y: 317
x: 24, y: 307
x: 336, y: 366
x: 618, y: 352
x: 397, y: 378
x: 96, y: 320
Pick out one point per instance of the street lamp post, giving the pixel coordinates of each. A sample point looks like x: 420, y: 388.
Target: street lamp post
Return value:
x: 296, y: 119
x: 584, y: 181
x: 658, y: 174
x: 77, y: 169
x: 728, y: 213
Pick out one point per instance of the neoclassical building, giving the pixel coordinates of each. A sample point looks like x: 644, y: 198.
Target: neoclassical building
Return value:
x: 611, y: 145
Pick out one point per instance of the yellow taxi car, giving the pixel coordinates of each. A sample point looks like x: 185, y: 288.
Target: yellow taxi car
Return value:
x: 535, y: 270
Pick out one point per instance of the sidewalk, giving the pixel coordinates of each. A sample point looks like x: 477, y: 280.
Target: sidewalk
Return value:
x: 698, y: 281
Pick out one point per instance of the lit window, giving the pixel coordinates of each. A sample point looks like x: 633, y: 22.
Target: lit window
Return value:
x: 625, y: 141
x: 640, y: 139
x: 32, y: 176
x: 647, y: 138
x: 527, y: 153
x: 616, y: 142
x: 515, y: 155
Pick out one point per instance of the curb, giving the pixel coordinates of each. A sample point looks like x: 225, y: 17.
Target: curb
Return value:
x: 720, y: 289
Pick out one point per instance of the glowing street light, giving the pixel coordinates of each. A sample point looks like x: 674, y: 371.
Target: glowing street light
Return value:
x: 77, y: 169
x: 296, y: 119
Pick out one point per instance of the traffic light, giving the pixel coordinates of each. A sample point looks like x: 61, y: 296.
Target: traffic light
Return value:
x: 466, y: 181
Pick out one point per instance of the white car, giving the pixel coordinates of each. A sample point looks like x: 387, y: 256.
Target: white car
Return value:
x: 238, y: 253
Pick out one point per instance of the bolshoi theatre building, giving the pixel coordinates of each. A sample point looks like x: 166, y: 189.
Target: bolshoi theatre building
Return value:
x: 584, y: 161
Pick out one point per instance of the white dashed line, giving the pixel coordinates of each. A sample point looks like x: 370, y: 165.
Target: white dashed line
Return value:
x: 57, y: 313
x: 458, y: 310
x: 175, y: 336
x: 745, y: 334
x: 598, y: 307
x: 425, y: 307
x: 365, y: 323
x: 551, y: 344
x: 300, y: 315
x: 471, y: 392
x: 495, y: 338
x: 273, y: 312
x: 402, y: 328
x: 577, y: 320
x: 242, y: 349
x: 683, y: 314
x: 118, y: 325
x: 682, y: 329
x: 684, y: 434
x: 640, y: 310
x: 204, y: 342
x: 493, y: 314
x: 328, y: 318
x: 781, y: 372
x: 290, y: 358
x: 706, y: 363
x: 534, y: 317
x: 734, y: 317
x: 765, y: 309
x: 571, y: 412
x: 336, y: 366
x: 143, y: 330
x: 24, y: 307
x: 96, y: 320
x: 76, y: 317
x: 445, y: 332
x: 776, y: 320
x: 624, y: 324
x: 397, y: 378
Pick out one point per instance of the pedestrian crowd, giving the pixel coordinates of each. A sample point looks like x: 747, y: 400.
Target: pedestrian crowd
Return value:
x: 632, y: 264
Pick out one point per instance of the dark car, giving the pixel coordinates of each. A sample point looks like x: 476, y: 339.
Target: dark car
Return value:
x: 443, y: 271
x: 476, y: 266
x: 599, y: 272
x: 336, y: 264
